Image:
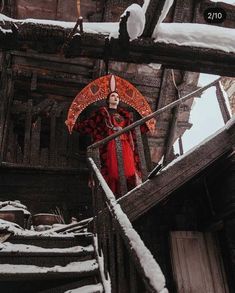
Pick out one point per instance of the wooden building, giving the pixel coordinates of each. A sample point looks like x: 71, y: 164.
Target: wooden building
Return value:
x: 184, y: 214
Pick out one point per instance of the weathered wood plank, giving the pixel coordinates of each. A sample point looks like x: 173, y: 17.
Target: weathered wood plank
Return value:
x: 156, y: 190
x: 48, y: 88
x: 121, y: 171
x: 6, y: 96
x: 141, y: 153
x: 53, y: 145
x: 222, y: 104
x: 25, y: 73
x: 35, y: 142
x: 52, y: 66
x: 84, y: 62
x: 44, y: 157
x: 27, y: 134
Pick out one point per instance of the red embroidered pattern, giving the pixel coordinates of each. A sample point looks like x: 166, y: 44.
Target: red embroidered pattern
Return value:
x: 99, y: 89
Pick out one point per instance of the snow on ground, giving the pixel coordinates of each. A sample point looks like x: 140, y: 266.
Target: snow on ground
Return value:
x: 74, y: 267
x: 196, y: 35
x: 9, y: 247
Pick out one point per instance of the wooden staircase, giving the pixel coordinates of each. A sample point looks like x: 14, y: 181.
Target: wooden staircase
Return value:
x: 49, y: 264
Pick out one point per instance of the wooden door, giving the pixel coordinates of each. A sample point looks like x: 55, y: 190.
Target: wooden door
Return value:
x: 196, y: 263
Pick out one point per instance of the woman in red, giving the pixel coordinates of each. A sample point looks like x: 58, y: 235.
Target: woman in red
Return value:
x: 102, y: 123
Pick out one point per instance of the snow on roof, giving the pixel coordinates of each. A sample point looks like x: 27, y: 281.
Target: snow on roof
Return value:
x: 136, y: 21
x: 196, y: 35
x: 24, y: 248
x: 105, y: 28
x: 232, y: 2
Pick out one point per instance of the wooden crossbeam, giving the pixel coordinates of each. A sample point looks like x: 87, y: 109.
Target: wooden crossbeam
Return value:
x: 154, y: 191
x: 35, y: 37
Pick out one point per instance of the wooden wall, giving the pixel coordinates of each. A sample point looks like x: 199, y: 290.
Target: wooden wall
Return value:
x: 193, y: 208
x: 42, y: 190
x: 44, y: 88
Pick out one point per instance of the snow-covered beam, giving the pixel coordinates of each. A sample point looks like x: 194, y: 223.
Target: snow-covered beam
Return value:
x: 46, y: 38
x: 152, y: 192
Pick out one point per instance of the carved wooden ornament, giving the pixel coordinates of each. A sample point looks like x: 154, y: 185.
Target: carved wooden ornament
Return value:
x: 99, y: 89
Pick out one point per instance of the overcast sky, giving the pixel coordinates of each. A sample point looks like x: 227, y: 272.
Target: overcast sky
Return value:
x: 205, y: 115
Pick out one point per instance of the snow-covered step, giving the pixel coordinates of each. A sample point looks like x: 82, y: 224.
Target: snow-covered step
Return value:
x: 96, y: 288
x: 14, y: 272
x: 53, y: 241
x: 86, y: 285
x: 48, y: 257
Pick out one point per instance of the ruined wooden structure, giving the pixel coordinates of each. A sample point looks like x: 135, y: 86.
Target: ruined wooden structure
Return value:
x: 191, y: 201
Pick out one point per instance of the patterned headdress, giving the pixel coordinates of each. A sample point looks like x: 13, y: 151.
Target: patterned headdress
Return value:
x: 99, y: 89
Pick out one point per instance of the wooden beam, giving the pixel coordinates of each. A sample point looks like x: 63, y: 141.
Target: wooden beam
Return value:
x: 154, y: 191
x: 222, y: 104
x: 48, y: 39
x: 153, y: 13
x: 6, y: 97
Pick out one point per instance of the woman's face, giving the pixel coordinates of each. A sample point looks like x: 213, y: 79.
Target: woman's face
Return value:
x: 113, y: 99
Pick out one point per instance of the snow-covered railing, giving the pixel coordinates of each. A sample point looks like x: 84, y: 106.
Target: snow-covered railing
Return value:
x: 121, y: 245
x: 128, y: 263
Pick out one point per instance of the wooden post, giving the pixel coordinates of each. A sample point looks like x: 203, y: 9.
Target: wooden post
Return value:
x: 112, y: 255
x: 120, y: 265
x: 133, y: 278
x: 121, y: 172
x: 27, y: 132
x: 222, y: 104
x: 141, y: 153
x: 6, y: 97
x: 53, y: 145
x: 181, y: 146
x: 35, y: 142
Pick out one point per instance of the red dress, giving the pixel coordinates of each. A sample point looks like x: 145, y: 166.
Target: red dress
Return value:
x: 101, y: 124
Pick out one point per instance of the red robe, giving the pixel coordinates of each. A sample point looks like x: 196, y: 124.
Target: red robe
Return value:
x: 100, y: 125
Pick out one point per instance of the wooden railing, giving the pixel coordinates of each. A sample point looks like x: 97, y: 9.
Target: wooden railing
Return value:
x: 128, y: 264
x: 120, y: 244
x: 93, y: 150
